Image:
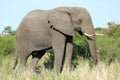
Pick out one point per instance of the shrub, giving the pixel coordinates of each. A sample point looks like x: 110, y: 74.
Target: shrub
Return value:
x: 114, y: 30
x: 80, y: 49
x: 108, y: 48
x: 7, y: 44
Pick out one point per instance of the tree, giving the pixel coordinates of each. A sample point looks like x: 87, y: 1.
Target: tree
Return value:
x: 8, y: 30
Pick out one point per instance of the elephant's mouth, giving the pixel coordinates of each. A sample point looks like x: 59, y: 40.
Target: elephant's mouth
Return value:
x: 77, y: 29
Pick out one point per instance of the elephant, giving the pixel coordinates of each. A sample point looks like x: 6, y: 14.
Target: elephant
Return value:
x: 41, y: 30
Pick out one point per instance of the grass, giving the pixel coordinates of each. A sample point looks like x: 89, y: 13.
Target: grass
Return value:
x: 82, y: 72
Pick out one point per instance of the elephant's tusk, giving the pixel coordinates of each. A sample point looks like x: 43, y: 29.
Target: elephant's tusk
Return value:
x: 99, y: 34
x: 89, y: 35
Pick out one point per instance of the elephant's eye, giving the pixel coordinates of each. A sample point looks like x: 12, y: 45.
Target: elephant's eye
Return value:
x: 80, y: 21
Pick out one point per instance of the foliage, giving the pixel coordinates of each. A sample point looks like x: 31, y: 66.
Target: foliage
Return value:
x: 80, y: 49
x: 108, y: 46
x: 102, y: 30
x: 114, y: 30
x: 7, y: 44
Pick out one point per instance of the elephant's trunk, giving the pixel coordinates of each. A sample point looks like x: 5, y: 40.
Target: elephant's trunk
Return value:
x: 92, y: 47
x: 88, y: 30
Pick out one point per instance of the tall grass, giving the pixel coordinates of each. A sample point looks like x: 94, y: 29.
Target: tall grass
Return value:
x: 82, y: 72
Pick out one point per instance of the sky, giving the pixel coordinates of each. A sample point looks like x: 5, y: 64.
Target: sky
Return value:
x: 101, y: 11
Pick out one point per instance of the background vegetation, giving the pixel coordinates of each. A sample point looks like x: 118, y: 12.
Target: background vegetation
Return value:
x: 108, y: 51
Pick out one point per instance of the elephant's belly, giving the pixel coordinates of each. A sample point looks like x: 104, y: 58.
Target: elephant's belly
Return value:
x: 41, y: 43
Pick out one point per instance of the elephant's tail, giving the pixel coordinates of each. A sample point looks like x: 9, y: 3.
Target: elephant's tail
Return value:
x: 16, y: 61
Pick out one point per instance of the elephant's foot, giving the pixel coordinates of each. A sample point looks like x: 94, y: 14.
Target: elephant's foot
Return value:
x: 37, y: 71
x: 65, y: 71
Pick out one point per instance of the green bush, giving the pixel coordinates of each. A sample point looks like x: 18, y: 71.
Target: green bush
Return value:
x: 114, y: 30
x: 108, y: 46
x: 7, y: 44
x: 80, y: 49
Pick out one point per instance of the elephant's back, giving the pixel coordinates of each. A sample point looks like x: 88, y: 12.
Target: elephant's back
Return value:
x: 36, y: 13
x: 34, y: 19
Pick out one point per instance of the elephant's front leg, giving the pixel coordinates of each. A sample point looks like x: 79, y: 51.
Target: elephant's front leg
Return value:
x: 68, y: 54
x: 58, y: 44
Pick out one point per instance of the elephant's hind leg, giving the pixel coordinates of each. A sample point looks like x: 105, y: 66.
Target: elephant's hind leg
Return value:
x: 23, y: 59
x: 36, y: 56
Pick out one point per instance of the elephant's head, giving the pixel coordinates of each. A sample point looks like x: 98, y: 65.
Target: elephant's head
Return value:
x: 68, y: 19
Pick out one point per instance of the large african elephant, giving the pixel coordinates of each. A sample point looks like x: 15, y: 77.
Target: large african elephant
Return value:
x: 41, y: 30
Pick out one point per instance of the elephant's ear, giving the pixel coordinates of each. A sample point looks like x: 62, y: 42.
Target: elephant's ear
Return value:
x: 61, y: 22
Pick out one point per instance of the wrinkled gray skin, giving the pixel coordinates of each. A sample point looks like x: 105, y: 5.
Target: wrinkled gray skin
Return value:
x: 41, y: 30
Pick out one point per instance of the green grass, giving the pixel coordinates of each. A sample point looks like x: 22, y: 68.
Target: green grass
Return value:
x: 83, y: 71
